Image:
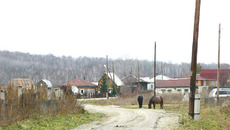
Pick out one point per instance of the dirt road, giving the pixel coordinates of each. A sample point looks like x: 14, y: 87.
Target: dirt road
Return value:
x: 134, y: 119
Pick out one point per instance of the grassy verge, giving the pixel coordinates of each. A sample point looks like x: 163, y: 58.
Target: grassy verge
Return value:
x: 211, y: 117
x: 57, y: 122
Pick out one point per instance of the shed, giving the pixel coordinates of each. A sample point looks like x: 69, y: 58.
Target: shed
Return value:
x: 25, y: 83
x: 44, y: 83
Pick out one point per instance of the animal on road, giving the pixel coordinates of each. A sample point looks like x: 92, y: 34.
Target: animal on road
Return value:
x: 140, y: 101
x: 156, y: 100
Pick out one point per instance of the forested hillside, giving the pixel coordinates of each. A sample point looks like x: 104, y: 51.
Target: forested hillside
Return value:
x: 61, y: 69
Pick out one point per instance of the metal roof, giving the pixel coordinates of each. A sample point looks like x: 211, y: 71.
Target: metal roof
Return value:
x: 48, y: 83
x: 162, y: 77
x: 212, y: 73
x: 118, y: 81
x: 173, y: 83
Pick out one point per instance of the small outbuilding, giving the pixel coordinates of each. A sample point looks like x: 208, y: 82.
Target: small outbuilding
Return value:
x: 44, y: 83
x: 24, y: 83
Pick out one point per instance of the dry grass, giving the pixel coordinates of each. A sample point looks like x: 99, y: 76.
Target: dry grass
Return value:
x: 34, y: 105
x: 131, y: 99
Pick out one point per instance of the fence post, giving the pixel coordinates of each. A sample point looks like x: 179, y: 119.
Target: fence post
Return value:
x: 3, y: 103
x: 19, y: 91
x: 57, y: 93
x: 197, y: 107
x: 49, y: 94
x: 35, y: 89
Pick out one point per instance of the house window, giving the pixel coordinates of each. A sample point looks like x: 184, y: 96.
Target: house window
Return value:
x: 82, y: 91
x: 151, y: 86
x: 163, y: 90
x: 178, y: 90
x: 169, y: 90
x: 186, y: 90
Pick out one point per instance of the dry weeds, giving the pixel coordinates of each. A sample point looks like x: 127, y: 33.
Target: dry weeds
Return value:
x: 34, y: 105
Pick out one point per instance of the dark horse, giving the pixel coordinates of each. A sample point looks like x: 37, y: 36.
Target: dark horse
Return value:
x: 156, y: 100
x: 140, y: 101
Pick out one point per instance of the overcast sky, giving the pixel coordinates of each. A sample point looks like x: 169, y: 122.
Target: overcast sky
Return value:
x: 118, y: 28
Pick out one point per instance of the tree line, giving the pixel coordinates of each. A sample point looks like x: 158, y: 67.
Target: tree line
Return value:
x: 62, y: 69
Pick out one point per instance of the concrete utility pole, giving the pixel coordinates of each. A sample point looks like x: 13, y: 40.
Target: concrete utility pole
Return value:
x: 155, y: 70
x: 218, y: 68
x: 194, y: 59
x: 107, y: 77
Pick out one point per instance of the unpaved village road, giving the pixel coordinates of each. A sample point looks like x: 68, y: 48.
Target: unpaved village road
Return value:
x: 130, y: 119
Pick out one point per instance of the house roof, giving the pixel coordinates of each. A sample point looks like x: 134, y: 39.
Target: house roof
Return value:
x: 198, y: 77
x: 173, y: 83
x: 162, y: 77
x: 95, y: 83
x: 158, y: 77
x: 47, y: 82
x: 129, y: 79
x: 146, y: 79
x: 118, y: 81
x: 79, y: 83
x: 212, y: 73
x: 25, y: 83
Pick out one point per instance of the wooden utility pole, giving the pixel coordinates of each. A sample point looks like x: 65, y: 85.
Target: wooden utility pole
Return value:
x: 194, y: 59
x: 218, y: 68
x: 138, y: 75
x: 162, y: 70
x: 155, y: 70
x: 114, y: 86
x: 107, y: 77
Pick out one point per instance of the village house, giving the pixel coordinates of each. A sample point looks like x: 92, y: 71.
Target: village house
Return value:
x: 84, y: 87
x: 131, y: 83
x: 210, y: 77
x: 181, y: 85
x: 207, y: 79
x: 114, y: 84
x: 147, y: 83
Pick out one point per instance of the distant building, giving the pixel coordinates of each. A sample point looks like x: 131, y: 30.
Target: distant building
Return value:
x: 207, y: 79
x: 84, y: 87
x: 146, y: 83
x: 162, y: 77
x: 24, y: 83
x: 174, y: 85
x: 130, y: 86
x: 44, y: 83
x: 210, y: 77
x: 114, y: 83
